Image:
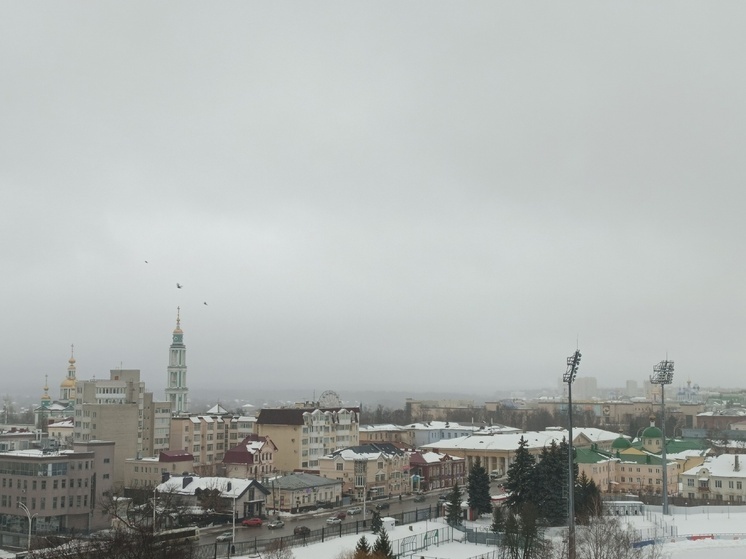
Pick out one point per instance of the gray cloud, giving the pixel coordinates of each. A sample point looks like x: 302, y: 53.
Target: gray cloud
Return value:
x: 382, y: 194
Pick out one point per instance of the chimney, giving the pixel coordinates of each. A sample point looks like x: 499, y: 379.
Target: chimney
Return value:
x: 165, y: 477
x: 737, y: 466
x: 186, y: 481
x: 228, y: 487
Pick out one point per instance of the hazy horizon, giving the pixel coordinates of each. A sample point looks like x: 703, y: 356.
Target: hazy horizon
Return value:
x: 378, y: 195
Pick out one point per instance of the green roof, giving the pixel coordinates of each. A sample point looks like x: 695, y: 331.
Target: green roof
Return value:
x: 652, y: 433
x: 589, y: 456
x: 620, y: 444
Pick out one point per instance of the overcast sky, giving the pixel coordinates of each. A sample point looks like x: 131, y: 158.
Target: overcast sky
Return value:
x: 395, y: 195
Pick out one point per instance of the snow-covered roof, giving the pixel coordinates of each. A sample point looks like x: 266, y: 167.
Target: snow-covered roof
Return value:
x: 725, y: 465
x: 509, y: 441
x: 217, y: 409
x: 188, y: 485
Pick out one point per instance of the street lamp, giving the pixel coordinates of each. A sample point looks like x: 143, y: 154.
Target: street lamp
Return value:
x: 155, y: 496
x: 573, y: 362
x: 30, y: 520
x: 663, y: 375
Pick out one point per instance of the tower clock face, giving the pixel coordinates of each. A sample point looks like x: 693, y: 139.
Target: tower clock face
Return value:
x: 177, y: 339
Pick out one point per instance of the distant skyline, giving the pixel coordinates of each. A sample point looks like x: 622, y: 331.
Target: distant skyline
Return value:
x: 373, y: 195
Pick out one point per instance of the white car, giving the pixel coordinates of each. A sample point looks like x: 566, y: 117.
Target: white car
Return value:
x: 225, y: 537
x: 333, y: 520
x: 354, y: 510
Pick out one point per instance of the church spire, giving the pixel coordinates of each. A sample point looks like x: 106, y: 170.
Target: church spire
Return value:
x: 176, y: 383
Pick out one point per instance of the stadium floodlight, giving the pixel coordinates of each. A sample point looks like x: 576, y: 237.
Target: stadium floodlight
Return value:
x: 663, y: 375
x: 573, y: 362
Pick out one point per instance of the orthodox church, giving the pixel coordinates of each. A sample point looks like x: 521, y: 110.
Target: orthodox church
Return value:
x: 63, y: 407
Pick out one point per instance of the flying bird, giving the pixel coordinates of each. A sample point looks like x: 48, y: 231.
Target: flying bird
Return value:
x: 205, y: 303
x: 146, y: 261
x: 178, y: 286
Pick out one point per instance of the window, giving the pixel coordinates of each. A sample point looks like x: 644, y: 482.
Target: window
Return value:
x: 718, y: 482
x: 340, y: 466
x: 689, y: 482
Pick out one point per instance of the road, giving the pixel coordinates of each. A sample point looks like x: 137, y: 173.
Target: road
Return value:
x: 316, y: 520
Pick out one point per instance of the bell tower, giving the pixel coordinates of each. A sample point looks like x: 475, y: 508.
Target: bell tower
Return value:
x: 176, y: 381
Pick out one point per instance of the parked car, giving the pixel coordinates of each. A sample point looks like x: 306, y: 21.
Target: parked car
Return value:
x: 354, y: 510
x: 333, y: 520
x: 383, y: 506
x: 256, y: 521
x: 419, y: 499
x: 225, y: 537
x: 302, y: 531
x: 275, y: 524
x: 443, y: 498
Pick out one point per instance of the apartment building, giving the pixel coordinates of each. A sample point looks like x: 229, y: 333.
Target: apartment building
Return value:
x: 61, y: 490
x: 298, y: 492
x: 304, y: 435
x: 368, y: 471
x: 207, y: 437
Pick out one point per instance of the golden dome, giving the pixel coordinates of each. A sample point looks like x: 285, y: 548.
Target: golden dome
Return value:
x: 68, y: 383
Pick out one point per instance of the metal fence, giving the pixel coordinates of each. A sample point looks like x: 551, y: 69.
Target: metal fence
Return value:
x: 260, y: 544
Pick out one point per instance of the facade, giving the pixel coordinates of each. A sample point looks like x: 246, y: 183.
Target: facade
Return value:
x: 497, y: 452
x: 299, y: 492
x: 432, y: 471
x: 207, y: 437
x: 304, y: 435
x: 388, y: 433
x: 721, y: 479
x: 435, y: 410
x: 368, y: 471
x: 62, y: 490
x: 177, y: 392
x: 254, y: 457
x: 246, y: 496
x: 147, y: 473
x: 434, y: 431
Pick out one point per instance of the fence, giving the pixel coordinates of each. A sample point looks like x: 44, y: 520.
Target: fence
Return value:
x: 362, y: 527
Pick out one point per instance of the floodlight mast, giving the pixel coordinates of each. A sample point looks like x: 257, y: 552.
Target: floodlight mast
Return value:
x: 663, y: 375
x: 573, y: 362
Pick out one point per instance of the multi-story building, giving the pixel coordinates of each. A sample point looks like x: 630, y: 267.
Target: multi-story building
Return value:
x: 497, y: 452
x: 432, y: 470
x: 433, y: 431
x: 436, y: 410
x: 146, y: 473
x: 253, y: 457
x: 299, y: 491
x: 304, y: 435
x: 386, y: 433
x: 62, y: 491
x: 368, y: 471
x: 207, y: 437
x: 719, y: 479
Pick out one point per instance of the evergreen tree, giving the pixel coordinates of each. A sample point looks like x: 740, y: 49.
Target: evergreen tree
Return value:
x: 453, y: 514
x: 587, y: 499
x: 520, y: 476
x: 549, y: 489
x: 362, y: 549
x: 382, y: 547
x: 478, y: 489
x: 376, y: 523
x: 512, y: 539
x: 530, y: 535
x: 498, y: 520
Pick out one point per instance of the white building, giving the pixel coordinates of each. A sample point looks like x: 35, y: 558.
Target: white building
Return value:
x: 718, y: 479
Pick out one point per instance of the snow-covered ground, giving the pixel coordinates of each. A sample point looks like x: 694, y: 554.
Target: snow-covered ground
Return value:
x: 694, y: 522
